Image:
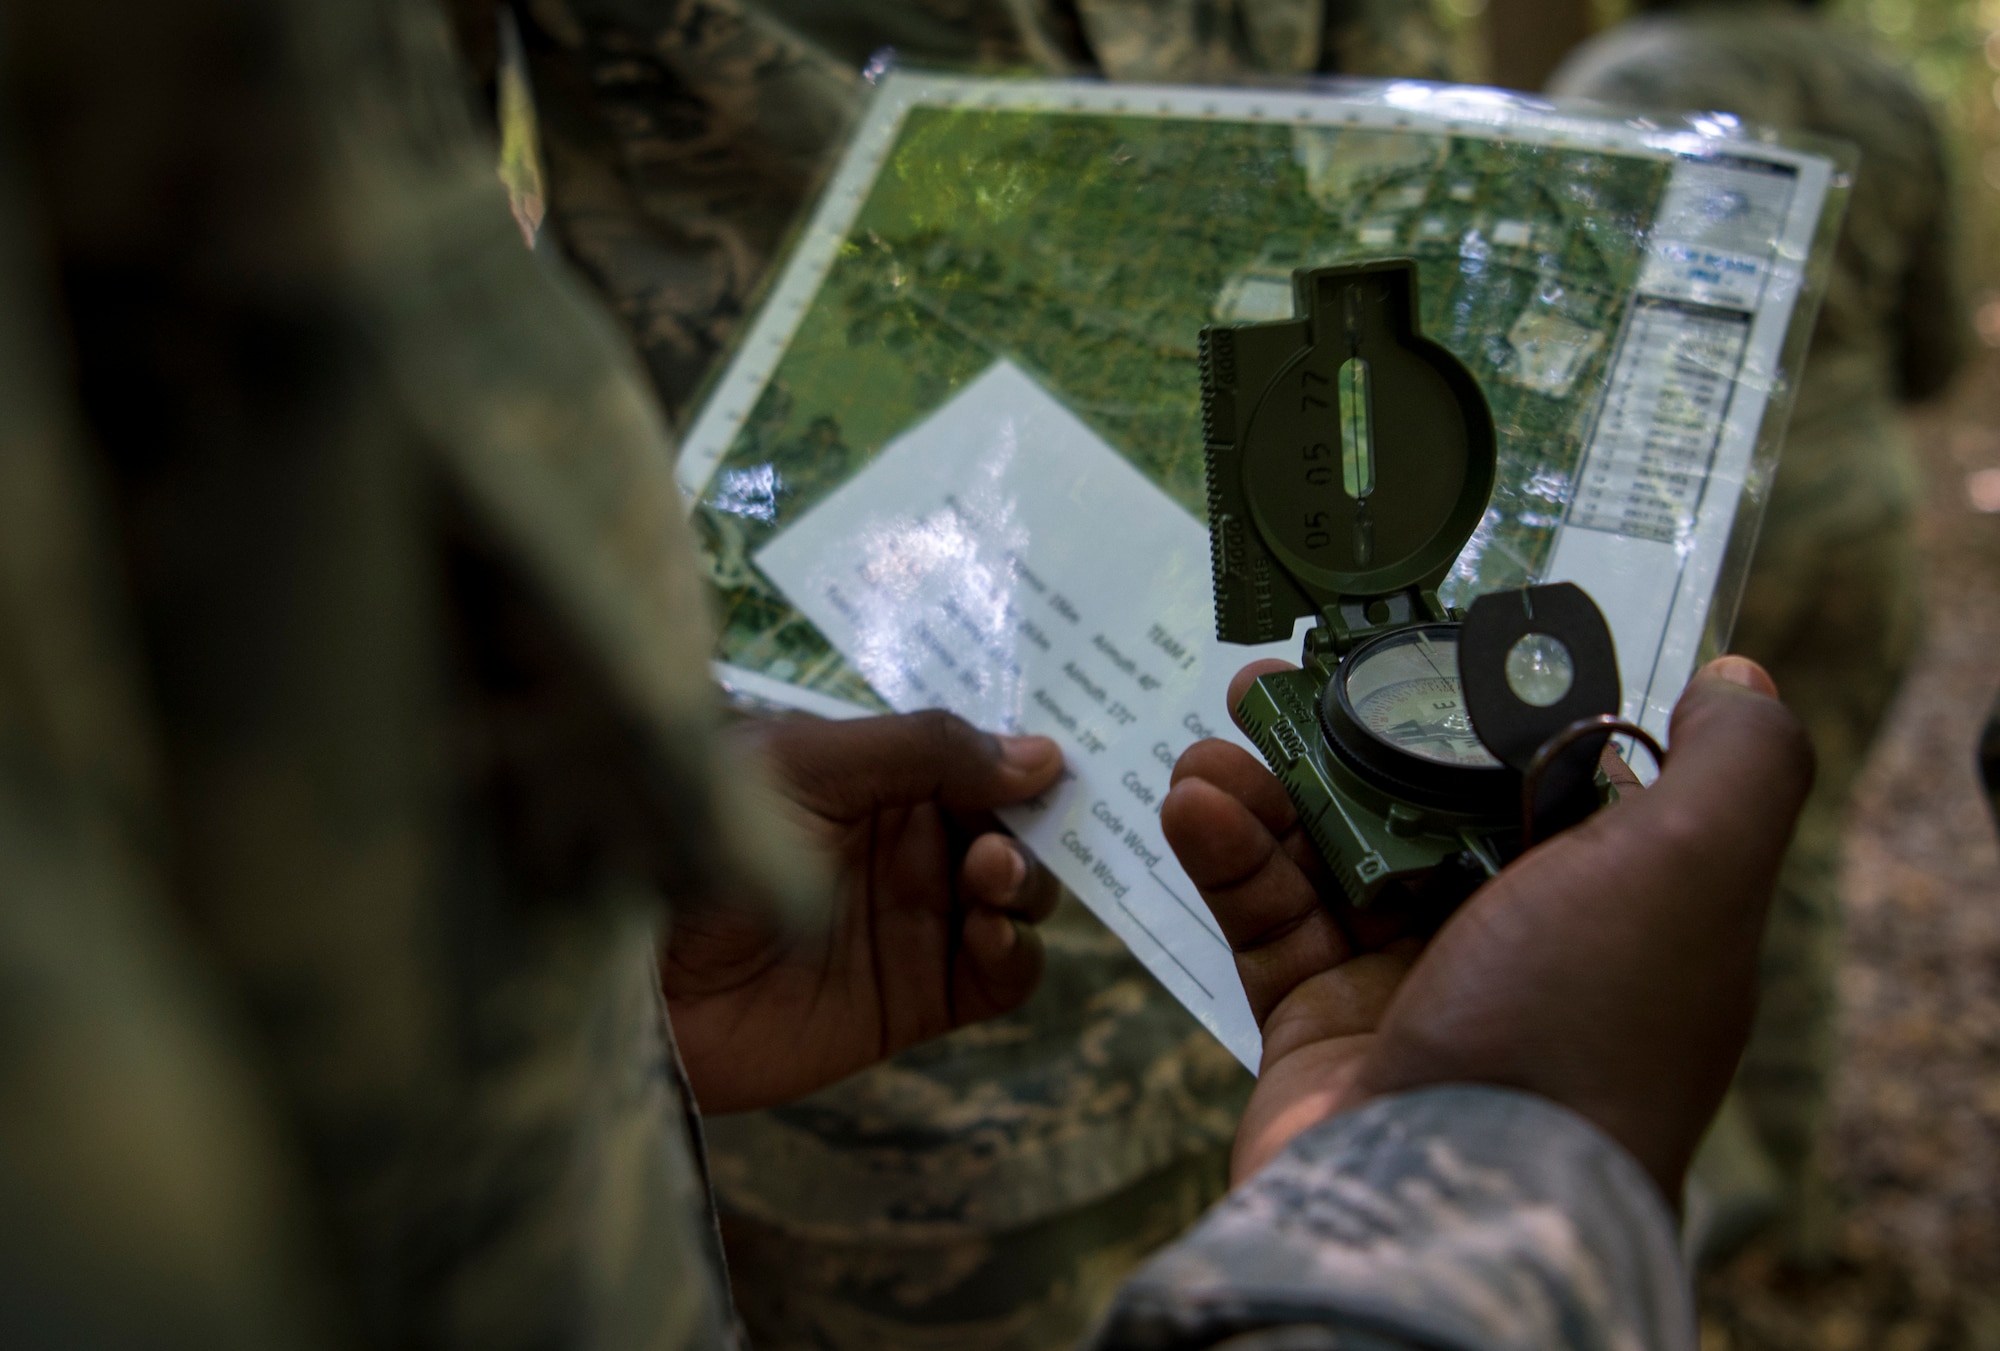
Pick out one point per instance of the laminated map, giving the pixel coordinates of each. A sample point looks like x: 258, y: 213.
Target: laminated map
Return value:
x: 956, y: 460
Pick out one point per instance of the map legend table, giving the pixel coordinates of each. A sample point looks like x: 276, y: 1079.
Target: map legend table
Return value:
x: 1662, y: 418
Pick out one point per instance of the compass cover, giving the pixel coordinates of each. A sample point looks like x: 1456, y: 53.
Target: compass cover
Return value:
x: 1348, y: 456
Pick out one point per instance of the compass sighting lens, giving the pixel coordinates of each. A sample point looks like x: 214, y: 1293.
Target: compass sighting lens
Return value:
x: 1405, y: 692
x: 1539, y: 669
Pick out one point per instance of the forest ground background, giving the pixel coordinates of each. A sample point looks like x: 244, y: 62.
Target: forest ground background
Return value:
x: 1915, y: 1148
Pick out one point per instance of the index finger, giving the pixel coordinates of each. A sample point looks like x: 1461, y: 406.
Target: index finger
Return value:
x: 1239, y: 684
x: 845, y: 770
x: 1237, y: 836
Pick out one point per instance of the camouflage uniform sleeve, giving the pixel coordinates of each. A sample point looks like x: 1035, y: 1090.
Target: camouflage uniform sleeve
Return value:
x: 146, y: 1197
x: 1451, y: 1217
x: 329, y: 942
x: 682, y: 141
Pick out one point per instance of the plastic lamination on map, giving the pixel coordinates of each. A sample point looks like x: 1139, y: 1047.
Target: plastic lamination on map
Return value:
x: 956, y: 457
x: 1632, y: 295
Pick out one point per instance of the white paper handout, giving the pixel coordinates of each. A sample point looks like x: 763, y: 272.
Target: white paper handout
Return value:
x: 1001, y: 561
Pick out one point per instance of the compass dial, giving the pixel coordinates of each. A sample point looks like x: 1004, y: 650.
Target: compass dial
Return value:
x: 1405, y: 691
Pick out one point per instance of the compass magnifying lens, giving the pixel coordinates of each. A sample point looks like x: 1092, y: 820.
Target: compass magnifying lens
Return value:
x: 1405, y: 692
x: 1539, y: 669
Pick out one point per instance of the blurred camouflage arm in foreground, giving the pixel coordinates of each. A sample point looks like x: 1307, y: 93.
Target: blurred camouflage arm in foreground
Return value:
x: 1452, y: 1217
x: 355, y: 727
x: 146, y: 1199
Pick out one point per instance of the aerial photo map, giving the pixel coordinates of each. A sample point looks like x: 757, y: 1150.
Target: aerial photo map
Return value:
x: 957, y: 458
x: 1087, y: 242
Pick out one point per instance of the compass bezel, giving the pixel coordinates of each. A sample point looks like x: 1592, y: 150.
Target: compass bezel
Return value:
x: 1474, y: 790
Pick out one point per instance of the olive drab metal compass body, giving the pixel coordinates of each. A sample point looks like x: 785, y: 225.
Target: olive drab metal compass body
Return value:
x: 1349, y: 460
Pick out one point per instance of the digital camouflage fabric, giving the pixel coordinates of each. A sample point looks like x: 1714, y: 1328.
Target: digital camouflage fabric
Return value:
x: 1452, y: 1218
x: 990, y: 1190
x: 1830, y: 608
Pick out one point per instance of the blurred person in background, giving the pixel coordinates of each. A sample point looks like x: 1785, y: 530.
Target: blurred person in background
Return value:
x: 990, y: 1190
x: 1831, y: 606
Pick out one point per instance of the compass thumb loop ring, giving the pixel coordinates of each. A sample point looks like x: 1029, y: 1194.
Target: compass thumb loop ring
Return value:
x: 1552, y: 749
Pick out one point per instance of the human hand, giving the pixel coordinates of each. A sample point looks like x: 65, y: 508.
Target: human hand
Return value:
x: 1611, y: 969
x: 931, y: 923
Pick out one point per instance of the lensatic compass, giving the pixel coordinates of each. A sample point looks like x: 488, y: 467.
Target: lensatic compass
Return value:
x: 1349, y: 460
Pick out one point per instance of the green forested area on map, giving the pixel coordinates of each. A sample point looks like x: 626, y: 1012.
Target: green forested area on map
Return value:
x: 1090, y: 249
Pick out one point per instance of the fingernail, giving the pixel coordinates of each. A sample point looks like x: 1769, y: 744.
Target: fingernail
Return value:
x: 1028, y: 753
x: 1017, y: 871
x: 1742, y: 671
x: 1004, y: 933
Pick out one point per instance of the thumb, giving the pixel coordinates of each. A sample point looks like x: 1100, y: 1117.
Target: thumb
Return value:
x: 1612, y: 968
x: 1740, y: 765
x: 845, y: 770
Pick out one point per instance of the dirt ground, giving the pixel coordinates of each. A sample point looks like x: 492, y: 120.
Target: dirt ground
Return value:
x: 1916, y: 1145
